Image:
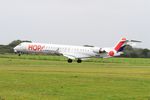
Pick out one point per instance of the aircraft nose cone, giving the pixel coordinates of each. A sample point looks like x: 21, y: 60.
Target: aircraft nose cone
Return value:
x: 15, y: 49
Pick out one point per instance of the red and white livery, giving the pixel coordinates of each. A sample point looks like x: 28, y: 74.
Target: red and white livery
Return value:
x: 73, y: 52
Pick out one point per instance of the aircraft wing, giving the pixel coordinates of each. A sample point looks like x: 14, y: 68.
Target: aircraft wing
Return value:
x: 69, y: 56
x: 76, y: 56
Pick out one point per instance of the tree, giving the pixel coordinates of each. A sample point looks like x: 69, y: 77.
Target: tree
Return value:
x: 145, y: 53
x: 9, y: 48
x: 14, y: 43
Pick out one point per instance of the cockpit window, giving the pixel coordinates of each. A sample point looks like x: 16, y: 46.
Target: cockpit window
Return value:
x: 19, y: 44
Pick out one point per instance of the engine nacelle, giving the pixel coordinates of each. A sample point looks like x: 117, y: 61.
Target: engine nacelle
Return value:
x: 98, y: 50
x: 106, y: 52
x: 114, y: 53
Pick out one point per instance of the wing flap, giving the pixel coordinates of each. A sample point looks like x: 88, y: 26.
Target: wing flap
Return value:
x: 75, y: 56
x: 69, y: 56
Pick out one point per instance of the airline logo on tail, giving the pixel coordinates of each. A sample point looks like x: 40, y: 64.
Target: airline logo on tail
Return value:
x: 120, y: 46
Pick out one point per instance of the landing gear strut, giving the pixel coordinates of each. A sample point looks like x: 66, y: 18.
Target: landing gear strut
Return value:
x: 19, y: 54
x: 79, y: 61
x: 69, y: 60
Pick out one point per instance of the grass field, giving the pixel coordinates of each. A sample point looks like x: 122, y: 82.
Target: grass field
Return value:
x: 51, y: 78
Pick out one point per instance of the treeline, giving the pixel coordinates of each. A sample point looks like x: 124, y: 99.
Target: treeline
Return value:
x: 9, y: 48
x: 128, y: 51
x: 136, y: 52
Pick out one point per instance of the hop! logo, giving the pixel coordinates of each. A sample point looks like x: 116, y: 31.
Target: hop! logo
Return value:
x: 36, y: 47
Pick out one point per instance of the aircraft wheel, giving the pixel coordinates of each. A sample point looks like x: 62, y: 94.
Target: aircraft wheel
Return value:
x: 19, y: 54
x: 69, y: 60
x: 79, y: 61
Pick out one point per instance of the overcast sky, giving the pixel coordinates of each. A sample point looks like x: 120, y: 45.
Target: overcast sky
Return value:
x: 78, y: 22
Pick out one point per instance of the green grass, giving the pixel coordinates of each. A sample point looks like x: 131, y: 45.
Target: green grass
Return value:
x: 37, y: 77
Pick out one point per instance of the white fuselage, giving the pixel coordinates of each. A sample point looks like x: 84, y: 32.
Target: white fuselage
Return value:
x: 71, y: 52
x: 68, y: 50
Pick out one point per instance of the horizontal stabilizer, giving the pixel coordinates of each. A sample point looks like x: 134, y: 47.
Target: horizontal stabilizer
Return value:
x: 135, y: 41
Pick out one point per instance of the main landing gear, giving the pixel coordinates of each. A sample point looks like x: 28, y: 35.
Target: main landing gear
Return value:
x: 69, y: 60
x: 78, y: 61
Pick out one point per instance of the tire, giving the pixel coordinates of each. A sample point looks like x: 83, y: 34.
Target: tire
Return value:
x: 79, y: 61
x: 69, y: 60
x: 19, y: 54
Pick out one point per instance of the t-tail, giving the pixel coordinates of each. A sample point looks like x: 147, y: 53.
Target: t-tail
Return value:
x: 123, y: 43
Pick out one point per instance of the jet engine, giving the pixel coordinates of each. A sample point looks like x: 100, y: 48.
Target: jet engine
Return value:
x: 98, y: 50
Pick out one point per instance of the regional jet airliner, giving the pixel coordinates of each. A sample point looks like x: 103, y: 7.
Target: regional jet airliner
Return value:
x: 73, y: 52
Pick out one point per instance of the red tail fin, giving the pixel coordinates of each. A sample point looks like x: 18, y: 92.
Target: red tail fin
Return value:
x: 120, y: 44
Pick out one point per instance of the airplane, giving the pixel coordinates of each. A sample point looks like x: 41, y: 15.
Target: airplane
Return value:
x: 74, y: 52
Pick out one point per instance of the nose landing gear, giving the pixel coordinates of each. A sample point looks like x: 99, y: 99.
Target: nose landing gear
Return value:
x: 19, y: 53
